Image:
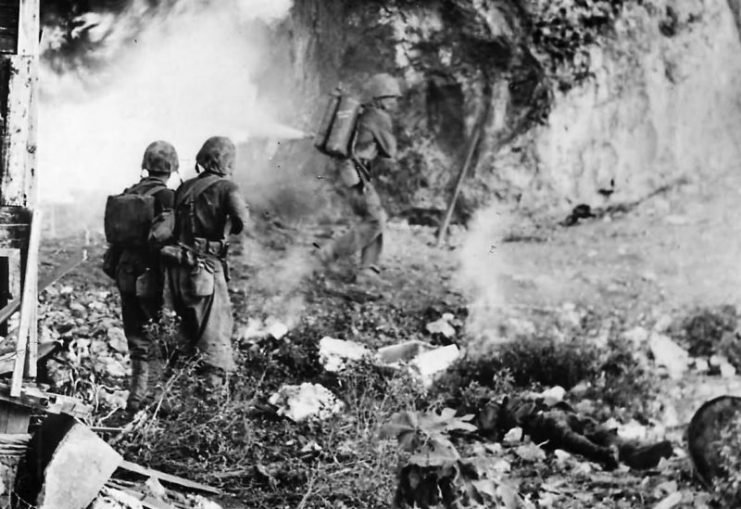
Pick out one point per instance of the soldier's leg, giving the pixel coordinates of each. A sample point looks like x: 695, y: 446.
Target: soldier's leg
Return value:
x: 134, y: 319
x: 215, y: 323
x: 366, y: 204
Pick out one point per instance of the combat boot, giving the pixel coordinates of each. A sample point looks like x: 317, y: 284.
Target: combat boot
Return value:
x: 137, y: 386
x: 156, y: 381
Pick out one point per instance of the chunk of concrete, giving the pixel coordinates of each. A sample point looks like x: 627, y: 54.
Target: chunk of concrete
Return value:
x: 430, y: 364
x: 403, y: 352
x: 669, y: 354
x: 334, y: 353
x: 65, y: 466
x: 305, y: 401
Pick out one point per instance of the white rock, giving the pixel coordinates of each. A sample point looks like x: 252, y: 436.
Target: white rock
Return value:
x: 702, y: 365
x: 553, y: 395
x: 333, y: 353
x: 276, y: 329
x: 305, y: 401
x: 441, y: 326
x: 512, y: 436
x: 448, y: 317
x: 117, y: 339
x: 669, y: 354
x: 727, y: 370
x: 430, y: 364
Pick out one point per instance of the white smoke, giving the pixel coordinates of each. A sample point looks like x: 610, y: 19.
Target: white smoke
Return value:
x: 181, y: 74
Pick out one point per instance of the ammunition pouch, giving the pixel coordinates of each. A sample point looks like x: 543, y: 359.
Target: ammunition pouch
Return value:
x: 215, y: 248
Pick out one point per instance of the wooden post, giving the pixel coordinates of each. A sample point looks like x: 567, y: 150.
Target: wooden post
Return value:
x: 472, y: 144
x: 19, y: 55
x: 28, y: 308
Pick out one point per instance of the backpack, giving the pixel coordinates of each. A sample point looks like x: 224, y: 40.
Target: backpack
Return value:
x: 128, y: 217
x: 186, y: 210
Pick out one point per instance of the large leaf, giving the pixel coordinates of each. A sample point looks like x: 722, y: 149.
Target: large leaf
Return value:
x: 436, y: 452
x: 401, y: 423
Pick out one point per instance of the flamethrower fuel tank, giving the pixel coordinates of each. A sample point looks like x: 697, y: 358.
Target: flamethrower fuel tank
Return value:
x: 325, y: 126
x: 342, y: 129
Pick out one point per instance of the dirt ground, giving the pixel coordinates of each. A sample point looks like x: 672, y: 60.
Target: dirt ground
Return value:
x: 673, y: 253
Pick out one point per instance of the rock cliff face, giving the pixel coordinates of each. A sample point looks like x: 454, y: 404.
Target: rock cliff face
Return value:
x: 618, y: 97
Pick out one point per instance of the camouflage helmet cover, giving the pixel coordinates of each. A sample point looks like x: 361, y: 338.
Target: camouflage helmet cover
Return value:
x: 217, y: 155
x: 160, y: 157
x: 382, y: 85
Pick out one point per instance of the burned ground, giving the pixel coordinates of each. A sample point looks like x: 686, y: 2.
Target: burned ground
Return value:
x: 574, y: 303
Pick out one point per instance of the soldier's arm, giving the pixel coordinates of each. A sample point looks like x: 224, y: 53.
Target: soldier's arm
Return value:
x: 383, y: 132
x: 165, y: 199
x: 237, y: 209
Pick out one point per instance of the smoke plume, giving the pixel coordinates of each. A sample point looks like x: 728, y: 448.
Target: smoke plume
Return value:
x: 113, y: 81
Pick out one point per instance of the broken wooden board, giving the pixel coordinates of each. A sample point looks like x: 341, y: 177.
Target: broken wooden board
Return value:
x: 66, y: 465
x: 167, y: 478
x: 32, y: 396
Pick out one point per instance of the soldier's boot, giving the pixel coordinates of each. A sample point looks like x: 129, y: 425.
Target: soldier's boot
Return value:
x: 156, y: 381
x: 138, y: 386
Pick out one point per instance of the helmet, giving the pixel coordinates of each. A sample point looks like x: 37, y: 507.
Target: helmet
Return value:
x: 160, y: 157
x: 217, y: 155
x: 382, y: 85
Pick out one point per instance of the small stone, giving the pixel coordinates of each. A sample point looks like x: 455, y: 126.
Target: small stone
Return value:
x: 702, y: 365
x: 513, y: 436
x: 441, y: 327
x: 117, y: 339
x: 727, y: 370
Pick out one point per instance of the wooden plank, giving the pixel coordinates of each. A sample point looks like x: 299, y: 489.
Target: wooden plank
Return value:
x: 14, y: 418
x: 168, y: 478
x: 16, y: 179
x: 28, y: 28
x: 28, y: 303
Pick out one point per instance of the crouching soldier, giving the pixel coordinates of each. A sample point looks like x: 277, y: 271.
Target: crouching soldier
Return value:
x: 374, y: 138
x: 133, y: 261
x: 207, y: 209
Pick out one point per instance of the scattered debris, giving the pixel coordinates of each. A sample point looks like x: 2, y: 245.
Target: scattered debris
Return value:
x: 334, y: 352
x: 442, y: 326
x: 75, y: 465
x: 301, y: 402
x: 669, y: 354
x: 553, y: 395
x: 430, y: 364
x: 150, y: 473
x: 257, y: 329
x: 117, y: 340
x: 112, y: 498
x: 395, y: 354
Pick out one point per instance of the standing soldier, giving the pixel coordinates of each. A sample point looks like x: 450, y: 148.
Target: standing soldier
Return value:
x: 208, y: 208
x: 133, y: 261
x: 374, y: 137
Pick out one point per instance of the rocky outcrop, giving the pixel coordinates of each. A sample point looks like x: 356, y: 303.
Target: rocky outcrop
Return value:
x: 597, y: 104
